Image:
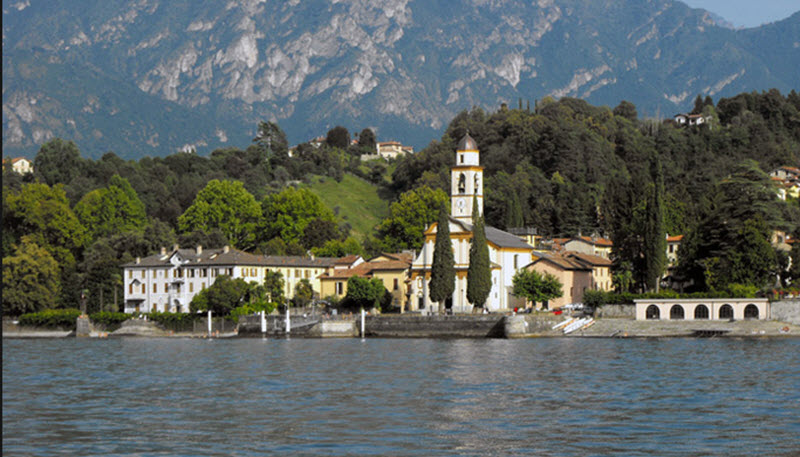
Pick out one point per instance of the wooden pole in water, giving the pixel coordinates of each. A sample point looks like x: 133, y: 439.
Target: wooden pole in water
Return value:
x: 209, y: 323
x: 263, y: 323
x: 363, y: 313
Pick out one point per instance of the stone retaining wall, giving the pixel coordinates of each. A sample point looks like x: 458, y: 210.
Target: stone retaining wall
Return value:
x: 416, y: 326
x: 786, y: 311
x: 612, y: 311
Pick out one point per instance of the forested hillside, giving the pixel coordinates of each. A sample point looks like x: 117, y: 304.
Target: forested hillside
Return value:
x: 563, y: 167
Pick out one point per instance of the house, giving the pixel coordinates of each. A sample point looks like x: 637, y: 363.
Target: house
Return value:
x: 673, y: 244
x: 392, y: 149
x: 507, y: 252
x: 19, y: 165
x: 600, y: 266
x: 575, y: 277
x: 592, y: 245
x: 787, y: 180
x: 690, y: 120
x: 391, y: 269
x: 786, y: 173
x: 168, y: 281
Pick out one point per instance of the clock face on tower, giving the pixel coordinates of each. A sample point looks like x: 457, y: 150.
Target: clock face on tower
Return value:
x: 461, y: 203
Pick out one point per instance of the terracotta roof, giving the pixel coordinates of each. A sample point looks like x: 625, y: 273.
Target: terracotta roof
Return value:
x: 589, y: 259
x: 674, y: 239
x: 346, y: 260
x: 365, y: 269
x: 560, y: 261
x: 594, y: 241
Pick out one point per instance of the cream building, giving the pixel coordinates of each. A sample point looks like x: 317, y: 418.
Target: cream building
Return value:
x: 167, y: 282
x: 507, y: 252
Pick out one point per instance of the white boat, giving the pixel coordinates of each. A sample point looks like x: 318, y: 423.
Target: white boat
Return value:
x: 576, y: 325
x: 563, y: 323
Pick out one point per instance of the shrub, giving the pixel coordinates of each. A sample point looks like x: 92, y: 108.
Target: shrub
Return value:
x: 109, y: 319
x: 594, y: 298
x: 51, y: 318
x: 178, y: 322
x: 251, y: 308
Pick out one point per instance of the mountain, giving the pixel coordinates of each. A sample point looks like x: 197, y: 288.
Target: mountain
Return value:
x: 149, y: 77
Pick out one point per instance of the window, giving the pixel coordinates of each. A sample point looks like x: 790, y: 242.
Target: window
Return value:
x: 339, y: 288
x: 652, y: 312
x: 191, y: 273
x: 462, y: 158
x: 396, y: 284
x: 155, y: 288
x: 143, y: 289
x: 726, y: 312
x: 307, y: 274
x: 462, y: 182
x: 191, y: 287
x: 203, y: 286
x: 676, y: 312
x: 142, y: 273
x: 296, y: 273
x: 130, y: 274
x: 751, y: 311
x: 130, y: 288
x: 230, y: 271
x: 516, y: 259
x: 701, y: 312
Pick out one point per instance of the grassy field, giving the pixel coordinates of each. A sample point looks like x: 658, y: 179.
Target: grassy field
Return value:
x: 354, y: 200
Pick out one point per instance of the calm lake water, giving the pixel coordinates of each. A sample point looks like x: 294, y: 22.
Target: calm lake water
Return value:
x: 543, y: 397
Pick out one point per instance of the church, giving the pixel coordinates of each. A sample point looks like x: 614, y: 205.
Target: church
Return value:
x: 507, y: 252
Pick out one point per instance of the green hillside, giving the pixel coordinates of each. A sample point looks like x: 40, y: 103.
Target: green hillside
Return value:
x: 354, y: 201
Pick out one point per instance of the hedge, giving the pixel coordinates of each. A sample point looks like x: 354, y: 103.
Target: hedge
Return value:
x: 52, y: 318
x: 109, y: 319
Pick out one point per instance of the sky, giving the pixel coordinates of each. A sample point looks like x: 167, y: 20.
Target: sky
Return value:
x: 748, y: 13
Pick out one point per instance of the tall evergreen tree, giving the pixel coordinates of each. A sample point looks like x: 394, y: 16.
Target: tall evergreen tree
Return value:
x: 514, y: 216
x: 443, y: 272
x: 479, y: 274
x: 655, y: 241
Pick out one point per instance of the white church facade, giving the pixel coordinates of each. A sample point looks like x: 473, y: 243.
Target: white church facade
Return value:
x: 507, y: 252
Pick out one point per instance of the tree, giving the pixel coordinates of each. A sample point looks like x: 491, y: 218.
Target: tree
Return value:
x: 271, y: 140
x: 227, y: 206
x: 479, y: 273
x: 114, y: 209
x: 364, y: 293
x: 303, y: 293
x: 274, y: 285
x: 339, y: 248
x: 366, y: 140
x: 409, y: 217
x: 58, y: 162
x: 288, y: 213
x: 535, y: 286
x: 655, y: 241
x: 31, y: 280
x: 443, y: 273
x: 627, y: 110
x: 338, y: 137
x: 222, y: 297
x: 698, y: 105
x: 318, y: 232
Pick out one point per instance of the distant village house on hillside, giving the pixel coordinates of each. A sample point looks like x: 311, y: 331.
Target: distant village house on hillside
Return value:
x: 19, y: 165
x: 690, y: 120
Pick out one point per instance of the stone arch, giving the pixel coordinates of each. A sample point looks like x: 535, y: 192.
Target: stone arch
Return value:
x: 726, y: 311
x: 751, y: 311
x: 676, y: 312
x: 701, y: 312
x: 652, y: 312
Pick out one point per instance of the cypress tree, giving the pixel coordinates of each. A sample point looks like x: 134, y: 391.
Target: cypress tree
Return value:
x: 479, y: 274
x: 514, y: 214
x: 655, y: 241
x: 443, y: 272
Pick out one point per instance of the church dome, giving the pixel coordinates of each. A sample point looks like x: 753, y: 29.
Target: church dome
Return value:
x: 467, y: 144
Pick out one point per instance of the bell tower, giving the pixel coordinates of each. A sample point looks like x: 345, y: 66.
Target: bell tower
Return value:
x: 466, y: 180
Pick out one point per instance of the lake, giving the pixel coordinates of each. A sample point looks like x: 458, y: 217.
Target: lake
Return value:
x: 402, y: 397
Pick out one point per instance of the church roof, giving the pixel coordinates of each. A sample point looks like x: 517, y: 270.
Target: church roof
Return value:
x: 467, y: 144
x: 496, y: 236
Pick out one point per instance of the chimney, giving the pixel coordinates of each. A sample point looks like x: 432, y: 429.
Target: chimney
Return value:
x: 226, y: 249
x: 163, y: 250
x: 175, y: 247
x: 138, y: 260
x: 199, y: 249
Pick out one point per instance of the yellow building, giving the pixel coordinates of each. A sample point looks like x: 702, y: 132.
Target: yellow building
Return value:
x: 391, y: 269
x: 575, y: 277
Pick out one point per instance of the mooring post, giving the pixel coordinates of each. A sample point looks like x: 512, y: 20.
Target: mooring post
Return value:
x: 363, y: 314
x: 263, y: 323
x: 288, y: 321
x: 209, y: 323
